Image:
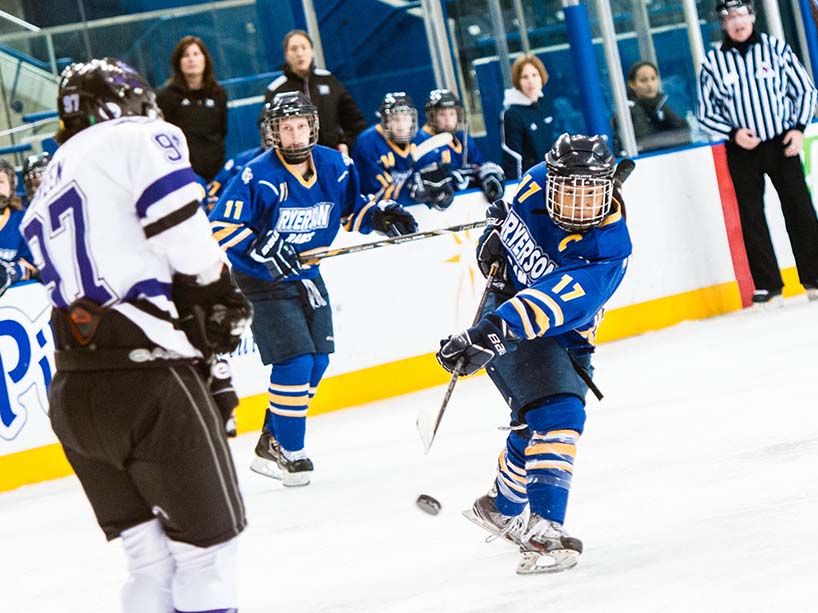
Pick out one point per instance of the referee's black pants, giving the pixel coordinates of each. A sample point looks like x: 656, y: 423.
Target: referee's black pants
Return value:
x: 747, y: 169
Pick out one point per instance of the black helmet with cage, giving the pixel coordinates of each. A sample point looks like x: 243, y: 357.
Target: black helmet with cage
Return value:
x: 723, y: 7
x: 440, y: 99
x: 393, y: 105
x: 579, y: 187
x: 100, y: 90
x: 33, y: 169
x: 284, y: 106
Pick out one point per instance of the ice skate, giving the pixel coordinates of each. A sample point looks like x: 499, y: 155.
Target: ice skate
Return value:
x: 484, y: 513
x: 547, y: 548
x: 766, y: 300
x: 271, y: 461
x: 812, y: 294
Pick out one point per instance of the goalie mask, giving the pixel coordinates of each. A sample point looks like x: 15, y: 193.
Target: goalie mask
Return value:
x: 33, y: 169
x: 293, y: 138
x: 99, y: 90
x: 447, y: 120
x: 399, y: 118
x: 579, y: 186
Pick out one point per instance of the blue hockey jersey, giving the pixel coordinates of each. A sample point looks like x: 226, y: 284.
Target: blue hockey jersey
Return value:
x: 454, y: 153
x: 232, y: 167
x: 562, y: 278
x: 384, y: 167
x: 270, y: 194
x: 13, y: 247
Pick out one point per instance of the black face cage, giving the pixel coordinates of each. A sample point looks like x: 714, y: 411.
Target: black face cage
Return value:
x: 431, y: 117
x: 578, y: 203
x: 271, y: 131
x: 388, y: 114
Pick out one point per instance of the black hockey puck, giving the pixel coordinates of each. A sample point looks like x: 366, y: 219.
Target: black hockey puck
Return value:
x: 428, y: 504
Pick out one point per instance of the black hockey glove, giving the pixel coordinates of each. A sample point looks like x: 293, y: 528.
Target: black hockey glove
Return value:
x: 279, y: 256
x: 490, y: 247
x: 212, y: 316
x: 433, y: 185
x: 9, y: 274
x: 476, y: 346
x: 391, y: 219
x: 491, y: 178
x: 221, y: 388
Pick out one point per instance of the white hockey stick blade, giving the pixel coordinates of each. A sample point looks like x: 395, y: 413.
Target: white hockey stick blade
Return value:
x: 427, y: 419
x: 430, y: 144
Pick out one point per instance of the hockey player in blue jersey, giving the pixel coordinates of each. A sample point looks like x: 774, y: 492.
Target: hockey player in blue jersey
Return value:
x: 444, y: 113
x: 563, y: 247
x: 383, y: 157
x: 33, y: 168
x: 287, y: 202
x: 15, y: 259
x: 234, y: 165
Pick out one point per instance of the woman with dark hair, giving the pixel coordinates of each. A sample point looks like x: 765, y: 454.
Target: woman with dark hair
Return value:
x: 193, y: 100
x: 339, y: 117
x: 655, y: 124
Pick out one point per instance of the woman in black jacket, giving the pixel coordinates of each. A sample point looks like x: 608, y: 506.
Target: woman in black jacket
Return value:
x: 528, y: 123
x: 655, y: 124
x: 193, y: 100
x: 340, y: 120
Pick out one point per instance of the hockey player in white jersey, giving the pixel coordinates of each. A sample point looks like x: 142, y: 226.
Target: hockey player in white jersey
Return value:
x: 141, y: 295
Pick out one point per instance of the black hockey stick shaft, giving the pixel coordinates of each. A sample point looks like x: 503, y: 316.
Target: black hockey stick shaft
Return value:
x: 309, y: 257
x: 458, y: 367
x: 586, y: 378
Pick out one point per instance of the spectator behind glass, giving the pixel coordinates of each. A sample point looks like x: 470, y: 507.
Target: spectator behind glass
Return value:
x: 340, y: 120
x: 655, y: 124
x: 193, y: 100
x: 527, y: 122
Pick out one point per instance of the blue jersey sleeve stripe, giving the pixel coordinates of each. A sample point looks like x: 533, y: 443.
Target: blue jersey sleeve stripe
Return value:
x: 532, y: 296
x: 162, y: 187
x: 522, y: 318
x: 360, y: 217
x: 236, y: 239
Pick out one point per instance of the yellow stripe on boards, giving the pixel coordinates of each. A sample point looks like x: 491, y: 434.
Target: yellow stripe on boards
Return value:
x: 417, y: 373
x: 33, y: 466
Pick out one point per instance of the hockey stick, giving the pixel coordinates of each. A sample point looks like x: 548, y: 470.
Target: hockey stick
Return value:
x: 310, y: 257
x: 428, y: 422
x: 430, y: 144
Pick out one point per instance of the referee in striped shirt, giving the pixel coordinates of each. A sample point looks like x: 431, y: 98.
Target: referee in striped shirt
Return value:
x: 754, y: 92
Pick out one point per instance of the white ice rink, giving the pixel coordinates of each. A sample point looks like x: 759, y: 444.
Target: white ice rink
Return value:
x: 696, y: 489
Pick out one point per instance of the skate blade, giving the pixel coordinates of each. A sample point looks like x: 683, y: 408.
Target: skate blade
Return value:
x: 536, y: 563
x: 773, y: 304
x: 266, y: 468
x: 296, y: 479
x: 488, y: 527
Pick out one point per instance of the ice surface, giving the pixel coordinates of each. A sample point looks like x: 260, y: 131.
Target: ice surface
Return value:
x: 696, y: 489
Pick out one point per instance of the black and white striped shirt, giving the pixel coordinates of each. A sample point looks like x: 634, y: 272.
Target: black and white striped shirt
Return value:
x: 765, y: 89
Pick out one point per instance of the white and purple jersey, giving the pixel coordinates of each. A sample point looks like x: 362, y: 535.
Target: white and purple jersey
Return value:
x: 115, y: 216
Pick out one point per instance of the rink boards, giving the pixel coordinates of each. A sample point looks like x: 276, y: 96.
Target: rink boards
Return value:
x: 392, y: 305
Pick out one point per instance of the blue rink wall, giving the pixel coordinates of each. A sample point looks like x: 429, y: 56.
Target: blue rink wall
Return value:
x: 392, y: 305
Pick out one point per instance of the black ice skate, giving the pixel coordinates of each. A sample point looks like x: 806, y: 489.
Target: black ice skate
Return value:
x: 766, y: 299
x: 547, y: 548
x: 272, y: 462
x: 484, y: 513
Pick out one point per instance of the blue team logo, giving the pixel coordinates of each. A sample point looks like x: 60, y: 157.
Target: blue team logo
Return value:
x: 26, y: 362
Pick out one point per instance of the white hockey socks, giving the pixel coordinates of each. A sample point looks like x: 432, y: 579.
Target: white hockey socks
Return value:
x: 151, y: 569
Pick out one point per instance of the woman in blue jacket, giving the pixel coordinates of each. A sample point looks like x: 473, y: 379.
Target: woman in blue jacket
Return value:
x: 528, y: 123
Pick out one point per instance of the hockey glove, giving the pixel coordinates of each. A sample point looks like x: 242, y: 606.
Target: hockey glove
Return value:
x: 391, y: 219
x: 9, y: 274
x: 221, y: 388
x: 212, y: 316
x: 279, y: 256
x: 491, y: 178
x: 433, y: 185
x: 476, y: 346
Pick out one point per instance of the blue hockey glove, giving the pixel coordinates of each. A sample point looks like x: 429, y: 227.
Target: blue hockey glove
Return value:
x: 391, y: 219
x: 491, y: 178
x: 279, y: 256
x: 477, y: 346
x: 433, y: 185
